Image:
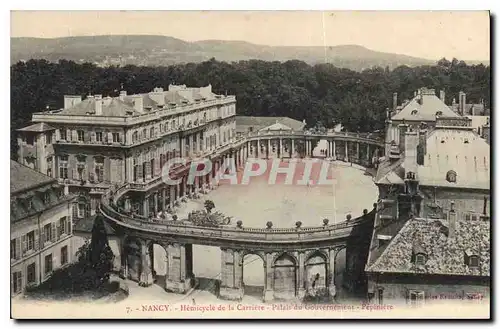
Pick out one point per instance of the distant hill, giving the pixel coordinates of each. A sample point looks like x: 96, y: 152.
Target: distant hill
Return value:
x: 163, y: 50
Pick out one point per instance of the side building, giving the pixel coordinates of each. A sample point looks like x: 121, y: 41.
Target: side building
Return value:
x: 98, y: 142
x: 431, y: 237
x: 41, y: 227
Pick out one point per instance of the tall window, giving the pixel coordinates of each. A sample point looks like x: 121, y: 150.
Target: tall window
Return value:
x: 116, y: 138
x: 64, y: 255
x: 98, y: 136
x: 47, y: 233
x: 99, y: 169
x: 17, y: 282
x: 63, y: 167
x: 49, y: 166
x: 81, y: 135
x: 134, y: 137
x: 81, y: 210
x: 48, y: 264
x: 62, y: 226
x: 13, y: 249
x: 31, y: 273
x: 152, y: 132
x: 144, y: 133
x: 63, y: 134
x: 48, y: 137
x: 46, y: 197
x: 30, y: 240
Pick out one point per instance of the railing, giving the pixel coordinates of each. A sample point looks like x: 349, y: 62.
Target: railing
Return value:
x: 232, y: 233
x: 272, y: 133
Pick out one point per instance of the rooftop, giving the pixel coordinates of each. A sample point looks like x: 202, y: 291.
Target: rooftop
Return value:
x: 445, y: 254
x: 423, y: 107
x: 23, y: 178
x: 244, y: 123
x: 37, y: 127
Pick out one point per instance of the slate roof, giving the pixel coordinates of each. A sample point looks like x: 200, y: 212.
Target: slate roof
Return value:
x: 85, y: 225
x: 115, y: 108
x: 24, y: 178
x: 445, y: 254
x: 277, y: 126
x: 390, y: 173
x: 424, y: 110
x: 37, y: 127
x: 244, y: 123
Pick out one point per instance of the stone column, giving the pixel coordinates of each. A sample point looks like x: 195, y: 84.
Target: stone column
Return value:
x: 346, y: 158
x: 269, y: 279
x: 146, y: 278
x: 257, y: 149
x: 328, y: 149
x: 127, y: 203
x: 123, y: 257
x: 331, y: 273
x: 268, y: 148
x: 368, y: 152
x: 163, y: 199
x: 334, y: 154
x: 172, y: 190
x: 155, y: 198
x: 357, y: 151
x: 281, y: 148
x: 145, y: 207
x: 176, y: 279
x: 231, y: 275
x: 292, y: 152
x: 300, y: 282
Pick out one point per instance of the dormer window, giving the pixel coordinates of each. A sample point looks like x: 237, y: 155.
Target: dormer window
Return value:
x: 29, y: 203
x: 451, y: 176
x: 474, y: 261
x: 466, y: 141
x: 414, y: 112
x: 420, y: 259
x: 46, y: 197
x: 439, y: 113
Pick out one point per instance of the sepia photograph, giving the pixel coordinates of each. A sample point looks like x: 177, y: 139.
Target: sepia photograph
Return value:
x: 250, y: 164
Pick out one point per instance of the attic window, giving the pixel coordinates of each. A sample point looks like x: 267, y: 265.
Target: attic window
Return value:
x: 439, y: 113
x: 442, y: 141
x: 466, y: 141
x: 414, y: 112
x: 29, y: 202
x: 451, y: 176
x: 420, y: 259
x: 473, y: 261
x: 129, y: 112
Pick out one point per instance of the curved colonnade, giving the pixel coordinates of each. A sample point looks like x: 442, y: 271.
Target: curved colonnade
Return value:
x: 288, y: 254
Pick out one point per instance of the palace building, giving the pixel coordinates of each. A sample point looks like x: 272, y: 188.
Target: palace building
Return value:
x: 41, y: 227
x: 431, y: 230
x: 96, y: 142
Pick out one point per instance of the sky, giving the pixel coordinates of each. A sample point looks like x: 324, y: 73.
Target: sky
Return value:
x: 426, y: 34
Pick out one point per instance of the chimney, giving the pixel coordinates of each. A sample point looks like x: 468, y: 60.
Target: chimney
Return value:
x: 98, y: 104
x: 402, y: 132
x: 71, y: 100
x: 441, y: 95
x: 137, y: 103
x: 452, y: 221
x: 394, y: 101
x: 123, y: 94
x: 410, y: 158
x: 461, y: 103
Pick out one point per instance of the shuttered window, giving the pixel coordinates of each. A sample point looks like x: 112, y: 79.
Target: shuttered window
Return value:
x: 17, y: 282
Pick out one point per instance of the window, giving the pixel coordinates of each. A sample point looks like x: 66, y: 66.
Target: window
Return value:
x: 420, y: 259
x: 414, y: 112
x: 30, y: 139
x: 46, y: 197
x: 81, y: 135
x: 47, y: 233
x: 63, y: 167
x: 98, y: 136
x: 30, y: 240
x: 152, y: 132
x: 451, y: 176
x: 116, y: 138
x: 63, y: 134
x: 81, y: 210
x: 144, y: 133
x: 49, y: 166
x: 29, y: 202
x: 474, y: 261
x: 17, y: 282
x: 31, y: 273
x: 439, y: 113
x: 99, y: 171
x: 48, y: 264
x: 380, y: 295
x: 62, y: 226
x: 416, y: 297
x: 64, y: 255
x: 134, y: 137
x: 48, y: 138
x: 13, y: 249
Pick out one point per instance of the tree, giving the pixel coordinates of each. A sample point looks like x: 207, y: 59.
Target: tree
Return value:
x: 100, y: 254
x: 209, y: 205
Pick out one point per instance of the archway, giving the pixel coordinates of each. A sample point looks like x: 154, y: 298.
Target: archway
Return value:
x: 159, y: 263
x: 253, y: 275
x: 316, y: 273
x: 285, y: 282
